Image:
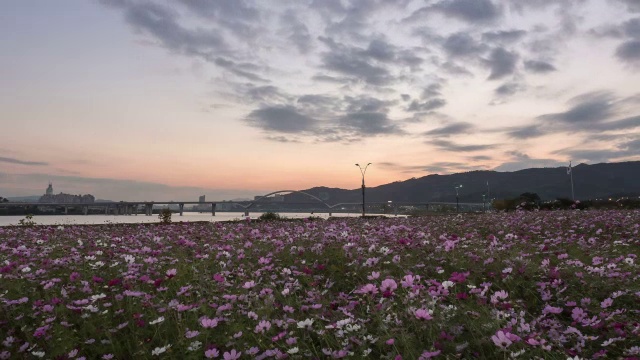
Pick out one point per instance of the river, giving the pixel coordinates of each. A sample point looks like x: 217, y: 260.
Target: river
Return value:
x: 133, y: 219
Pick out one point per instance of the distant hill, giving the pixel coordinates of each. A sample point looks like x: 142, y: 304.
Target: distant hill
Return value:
x: 590, y: 182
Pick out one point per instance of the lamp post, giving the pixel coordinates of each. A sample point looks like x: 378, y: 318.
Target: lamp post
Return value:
x: 363, y: 172
x: 457, y: 197
x: 484, y: 203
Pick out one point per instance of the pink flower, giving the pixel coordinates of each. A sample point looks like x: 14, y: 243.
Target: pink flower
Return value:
x: 249, y: 284
x: 388, y: 285
x: 390, y: 341
x: 368, y: 289
x: 423, y: 314
x: 232, y: 355
x: 208, y: 323
x: 171, y: 273
x: 606, y: 303
x: 212, y: 353
x: 501, y: 340
x: 429, y: 354
x: 191, y: 334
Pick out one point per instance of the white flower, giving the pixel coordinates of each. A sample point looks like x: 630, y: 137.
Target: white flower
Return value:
x: 38, y: 353
x: 194, y: 346
x: 157, y: 321
x: 305, y: 323
x: 26, y: 269
x: 159, y: 350
x: 447, y: 284
x: 293, y: 350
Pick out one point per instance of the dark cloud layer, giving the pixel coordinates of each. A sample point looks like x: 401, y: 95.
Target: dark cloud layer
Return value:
x: 472, y: 11
x: 502, y: 63
x: 457, y: 128
x: 370, y: 84
x: 447, y: 145
x: 538, y: 66
x: 22, y: 162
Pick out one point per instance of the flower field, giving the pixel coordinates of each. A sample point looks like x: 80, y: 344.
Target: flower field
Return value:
x: 547, y: 285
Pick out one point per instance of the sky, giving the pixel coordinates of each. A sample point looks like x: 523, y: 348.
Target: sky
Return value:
x: 172, y: 99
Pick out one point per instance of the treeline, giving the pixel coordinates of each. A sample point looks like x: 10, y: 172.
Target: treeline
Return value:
x: 531, y: 201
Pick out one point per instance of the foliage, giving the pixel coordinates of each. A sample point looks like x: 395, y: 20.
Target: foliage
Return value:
x: 3, y: 199
x: 270, y: 216
x: 165, y: 216
x: 526, y: 201
x: 27, y: 221
x: 526, y: 285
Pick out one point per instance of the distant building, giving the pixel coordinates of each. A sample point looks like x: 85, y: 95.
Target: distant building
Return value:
x: 201, y: 199
x: 50, y: 198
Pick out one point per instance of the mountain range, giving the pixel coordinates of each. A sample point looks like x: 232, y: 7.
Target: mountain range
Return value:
x: 589, y: 181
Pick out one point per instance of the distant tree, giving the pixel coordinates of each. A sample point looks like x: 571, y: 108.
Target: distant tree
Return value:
x: 3, y: 199
x: 530, y: 197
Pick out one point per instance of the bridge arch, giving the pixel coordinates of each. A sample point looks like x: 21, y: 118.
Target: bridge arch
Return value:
x: 288, y: 191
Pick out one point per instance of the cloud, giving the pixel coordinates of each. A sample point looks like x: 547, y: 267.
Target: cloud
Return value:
x: 451, y: 129
x: 462, y: 44
x: 351, y: 62
x: 22, y: 162
x: 587, y: 108
x: 160, y: 23
x: 297, y: 32
x: 447, y: 145
x: 521, y: 161
x: 284, y: 119
x: 472, y: 11
x: 525, y: 132
x: 508, y: 89
x: 503, y: 36
x: 625, y: 150
x: 236, y: 16
x: 632, y: 5
x: 369, y: 123
x: 538, y: 66
x: 428, y: 105
x: 629, y: 52
x: 502, y: 63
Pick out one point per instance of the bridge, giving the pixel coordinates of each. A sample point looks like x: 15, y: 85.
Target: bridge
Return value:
x: 134, y: 207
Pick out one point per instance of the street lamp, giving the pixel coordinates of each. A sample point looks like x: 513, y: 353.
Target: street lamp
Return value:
x: 457, y: 197
x: 363, y: 172
x: 484, y: 203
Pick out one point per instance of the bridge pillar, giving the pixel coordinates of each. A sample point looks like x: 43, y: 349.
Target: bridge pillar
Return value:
x: 148, y: 209
x: 181, y: 208
x: 246, y: 213
x: 213, y: 209
x: 329, y: 214
x: 66, y: 210
x: 85, y: 210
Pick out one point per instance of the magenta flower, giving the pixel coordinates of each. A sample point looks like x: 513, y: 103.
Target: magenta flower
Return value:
x: 388, y: 285
x: 232, y: 355
x: 212, y: 353
x: 208, y: 323
x: 501, y: 340
x: 606, y: 303
x: 171, y: 273
x: 423, y: 314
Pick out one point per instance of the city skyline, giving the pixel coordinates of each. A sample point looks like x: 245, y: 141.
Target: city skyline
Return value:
x: 237, y: 98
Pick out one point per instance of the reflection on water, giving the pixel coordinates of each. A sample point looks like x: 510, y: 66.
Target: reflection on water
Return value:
x: 132, y: 219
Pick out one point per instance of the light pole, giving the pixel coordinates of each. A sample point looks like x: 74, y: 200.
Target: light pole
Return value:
x: 484, y: 203
x: 457, y: 197
x: 363, y: 172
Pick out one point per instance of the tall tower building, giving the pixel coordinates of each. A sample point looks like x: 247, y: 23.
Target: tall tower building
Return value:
x: 50, y: 189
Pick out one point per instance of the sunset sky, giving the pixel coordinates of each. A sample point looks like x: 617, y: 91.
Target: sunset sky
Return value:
x: 171, y: 99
